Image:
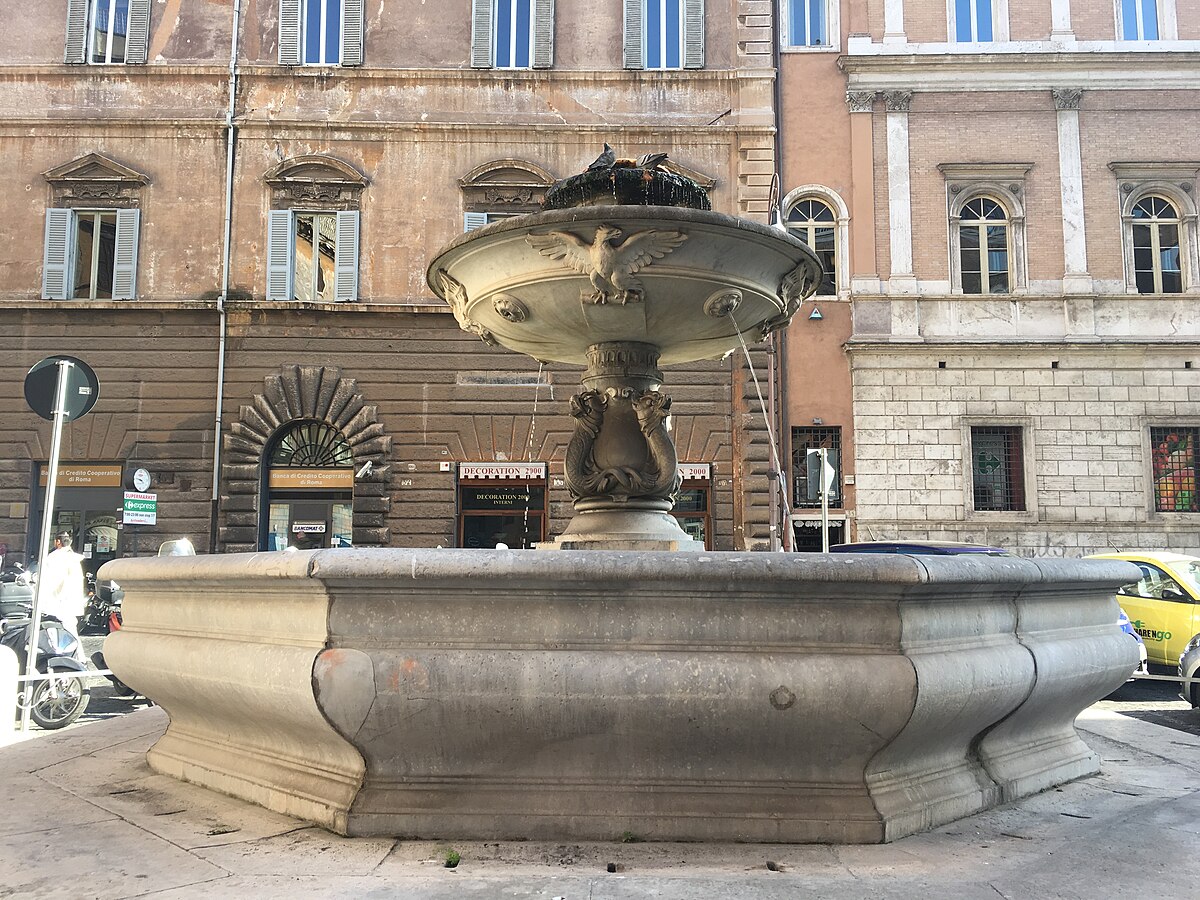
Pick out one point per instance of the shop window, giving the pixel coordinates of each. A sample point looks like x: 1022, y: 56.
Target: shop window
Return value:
x: 1175, y: 469
x: 806, y: 469
x: 693, y: 504
x: 664, y: 34
x: 310, y: 489
x: 87, y: 502
x: 501, y: 503
x: 998, y: 468
x: 321, y: 32
x: 107, y: 32
x: 512, y: 34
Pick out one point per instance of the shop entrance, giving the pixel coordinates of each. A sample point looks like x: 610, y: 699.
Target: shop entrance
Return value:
x: 501, y: 503
x: 309, y: 490
x: 87, y: 503
x: 693, y: 506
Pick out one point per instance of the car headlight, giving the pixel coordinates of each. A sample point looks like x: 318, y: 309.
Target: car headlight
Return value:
x: 1191, y: 645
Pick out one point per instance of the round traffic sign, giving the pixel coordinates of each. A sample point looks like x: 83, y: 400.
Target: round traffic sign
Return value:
x: 41, y: 387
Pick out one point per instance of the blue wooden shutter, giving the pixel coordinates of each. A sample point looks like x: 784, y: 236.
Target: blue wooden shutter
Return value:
x: 481, y: 34
x: 77, y: 15
x: 289, y: 32
x: 279, y: 255
x: 693, y: 34
x: 137, y: 38
x: 543, y: 34
x: 352, y: 32
x: 345, y: 262
x: 125, y: 266
x: 634, y: 55
x: 473, y: 220
x: 56, y: 258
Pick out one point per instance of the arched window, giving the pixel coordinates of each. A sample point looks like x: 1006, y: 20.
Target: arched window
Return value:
x: 1157, y: 265
x: 983, y: 247
x: 312, y: 445
x: 814, y: 222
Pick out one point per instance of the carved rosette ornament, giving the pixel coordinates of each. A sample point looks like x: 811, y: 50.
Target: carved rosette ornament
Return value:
x: 723, y: 303
x: 510, y: 308
x: 608, y: 263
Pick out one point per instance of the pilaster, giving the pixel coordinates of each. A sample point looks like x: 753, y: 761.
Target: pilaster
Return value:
x: 1076, y: 279
x: 902, y: 280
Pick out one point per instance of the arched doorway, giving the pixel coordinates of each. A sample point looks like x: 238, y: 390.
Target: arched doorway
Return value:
x: 309, y: 489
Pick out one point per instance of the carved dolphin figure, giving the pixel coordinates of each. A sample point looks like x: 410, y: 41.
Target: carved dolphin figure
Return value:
x: 609, y: 265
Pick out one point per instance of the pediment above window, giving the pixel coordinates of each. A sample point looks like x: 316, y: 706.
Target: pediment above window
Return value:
x: 315, y: 179
x: 505, y: 186
x: 93, y: 179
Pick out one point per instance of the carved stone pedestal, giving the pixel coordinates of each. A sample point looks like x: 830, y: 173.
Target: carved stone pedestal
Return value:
x: 621, y: 466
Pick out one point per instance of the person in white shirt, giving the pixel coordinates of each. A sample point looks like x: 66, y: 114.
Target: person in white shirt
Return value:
x: 61, y: 575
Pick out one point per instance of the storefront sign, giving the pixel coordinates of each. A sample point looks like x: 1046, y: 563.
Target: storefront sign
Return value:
x: 517, y: 496
x: 501, y: 470
x: 140, y: 509
x: 308, y: 528
x: 83, y: 476
x: 696, y: 471
x: 290, y: 479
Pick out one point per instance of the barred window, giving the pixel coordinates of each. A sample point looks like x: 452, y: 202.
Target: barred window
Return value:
x: 1174, y: 467
x: 806, y: 469
x: 997, y: 468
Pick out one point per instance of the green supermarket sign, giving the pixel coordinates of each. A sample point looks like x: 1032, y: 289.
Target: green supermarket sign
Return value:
x: 140, y: 509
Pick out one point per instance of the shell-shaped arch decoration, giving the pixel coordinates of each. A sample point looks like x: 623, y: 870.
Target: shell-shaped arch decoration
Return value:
x: 297, y: 394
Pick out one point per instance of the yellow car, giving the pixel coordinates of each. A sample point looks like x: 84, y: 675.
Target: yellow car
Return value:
x: 1164, y: 606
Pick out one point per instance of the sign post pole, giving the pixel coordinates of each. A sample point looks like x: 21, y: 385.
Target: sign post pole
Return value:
x: 825, y: 485
x: 60, y: 414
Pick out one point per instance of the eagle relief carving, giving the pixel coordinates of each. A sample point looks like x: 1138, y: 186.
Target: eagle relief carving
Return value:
x: 609, y: 263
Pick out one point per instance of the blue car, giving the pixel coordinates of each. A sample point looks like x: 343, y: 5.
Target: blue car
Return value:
x: 1127, y: 627
x: 920, y: 548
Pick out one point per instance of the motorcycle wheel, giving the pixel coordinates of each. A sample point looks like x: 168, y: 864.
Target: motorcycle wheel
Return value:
x: 58, y: 709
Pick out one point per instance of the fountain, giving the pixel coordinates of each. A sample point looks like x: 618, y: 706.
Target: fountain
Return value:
x: 608, y: 687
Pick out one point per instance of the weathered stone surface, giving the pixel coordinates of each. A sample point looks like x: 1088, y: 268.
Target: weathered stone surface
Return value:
x: 495, y: 694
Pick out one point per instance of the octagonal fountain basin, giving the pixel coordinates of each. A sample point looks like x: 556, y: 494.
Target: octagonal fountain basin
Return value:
x: 451, y: 694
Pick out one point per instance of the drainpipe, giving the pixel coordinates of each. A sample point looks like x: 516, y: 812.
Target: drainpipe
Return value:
x: 230, y: 147
x: 778, y: 371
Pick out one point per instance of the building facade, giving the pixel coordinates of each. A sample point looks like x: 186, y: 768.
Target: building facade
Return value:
x: 227, y: 211
x: 1016, y: 288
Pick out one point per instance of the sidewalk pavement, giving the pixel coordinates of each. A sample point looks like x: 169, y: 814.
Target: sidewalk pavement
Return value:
x: 84, y: 816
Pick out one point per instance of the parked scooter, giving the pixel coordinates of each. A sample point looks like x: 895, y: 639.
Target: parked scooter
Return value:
x: 53, y: 702
x: 111, y: 609
x: 99, y: 602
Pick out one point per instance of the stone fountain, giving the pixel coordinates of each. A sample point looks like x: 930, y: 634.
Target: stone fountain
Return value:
x: 590, y: 693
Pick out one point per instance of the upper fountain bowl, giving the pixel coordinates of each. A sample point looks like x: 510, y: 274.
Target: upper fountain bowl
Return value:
x: 686, y: 280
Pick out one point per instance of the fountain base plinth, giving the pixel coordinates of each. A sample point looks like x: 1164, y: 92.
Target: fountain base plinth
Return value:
x: 623, y: 529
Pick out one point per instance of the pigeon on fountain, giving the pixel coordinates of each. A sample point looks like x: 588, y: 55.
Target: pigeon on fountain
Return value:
x: 605, y: 160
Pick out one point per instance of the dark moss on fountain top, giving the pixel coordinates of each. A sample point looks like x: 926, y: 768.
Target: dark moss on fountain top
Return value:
x: 626, y: 186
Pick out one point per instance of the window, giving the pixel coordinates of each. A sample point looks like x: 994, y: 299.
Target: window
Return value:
x: 664, y: 34
x: 972, y: 21
x: 1139, y: 20
x: 807, y: 23
x: 512, y: 34
x: 312, y: 230
x: 107, y: 32
x: 983, y: 247
x: 1156, y: 258
x: 473, y: 220
x: 997, y: 468
x: 813, y: 222
x: 90, y: 254
x: 321, y: 32
x: 806, y: 469
x: 501, y: 189
x: 1175, y: 468
x: 312, y: 255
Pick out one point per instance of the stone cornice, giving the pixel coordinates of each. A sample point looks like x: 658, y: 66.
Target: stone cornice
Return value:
x: 957, y: 72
